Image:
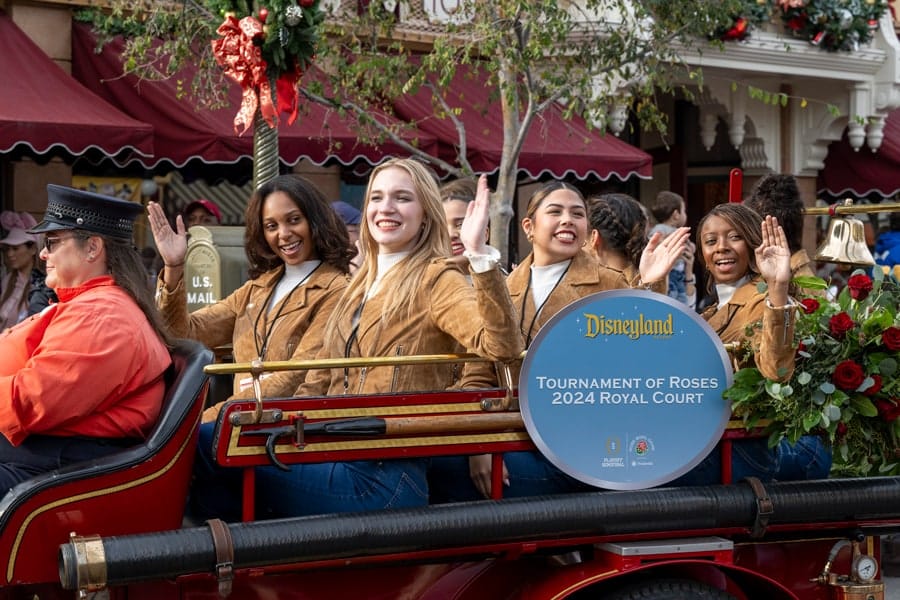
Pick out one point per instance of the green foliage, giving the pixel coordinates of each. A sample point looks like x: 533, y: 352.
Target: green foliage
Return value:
x: 845, y: 383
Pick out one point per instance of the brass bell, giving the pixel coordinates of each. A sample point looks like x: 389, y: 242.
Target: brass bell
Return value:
x: 845, y: 242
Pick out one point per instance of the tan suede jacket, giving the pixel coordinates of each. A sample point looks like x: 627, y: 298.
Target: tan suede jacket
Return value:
x: 239, y: 320
x: 449, y: 315
x: 585, y: 276
x: 771, y: 330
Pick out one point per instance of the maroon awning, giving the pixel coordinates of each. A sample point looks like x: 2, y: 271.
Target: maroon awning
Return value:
x: 554, y: 145
x: 182, y: 131
x: 864, y: 172
x: 44, y: 109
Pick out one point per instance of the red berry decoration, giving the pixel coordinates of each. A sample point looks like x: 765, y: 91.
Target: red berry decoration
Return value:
x: 306, y: 3
x: 263, y: 14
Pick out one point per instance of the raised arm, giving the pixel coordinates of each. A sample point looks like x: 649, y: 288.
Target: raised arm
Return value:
x: 473, y: 233
x: 774, y: 352
x: 773, y: 259
x: 662, y: 253
x: 171, y: 244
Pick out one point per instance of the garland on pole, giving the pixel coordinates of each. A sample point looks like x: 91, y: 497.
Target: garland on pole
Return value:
x: 264, y: 44
x: 835, y: 25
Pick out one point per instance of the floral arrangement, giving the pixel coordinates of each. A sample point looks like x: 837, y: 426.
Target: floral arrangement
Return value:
x: 266, y: 46
x: 833, y: 24
x: 845, y: 385
x: 830, y: 24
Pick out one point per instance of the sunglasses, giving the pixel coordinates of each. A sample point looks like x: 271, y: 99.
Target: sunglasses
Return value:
x: 51, y: 243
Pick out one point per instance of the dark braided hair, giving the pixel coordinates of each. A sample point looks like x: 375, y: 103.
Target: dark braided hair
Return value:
x: 622, y: 223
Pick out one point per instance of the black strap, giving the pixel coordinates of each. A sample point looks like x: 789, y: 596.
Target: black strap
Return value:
x: 765, y: 508
x: 224, y: 547
x: 269, y: 326
x: 537, y: 309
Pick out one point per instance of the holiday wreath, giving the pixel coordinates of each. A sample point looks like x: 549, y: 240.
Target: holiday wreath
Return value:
x: 270, y: 42
x: 830, y: 24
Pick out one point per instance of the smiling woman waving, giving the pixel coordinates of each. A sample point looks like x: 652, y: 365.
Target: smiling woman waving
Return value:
x: 299, y: 258
x: 741, y: 250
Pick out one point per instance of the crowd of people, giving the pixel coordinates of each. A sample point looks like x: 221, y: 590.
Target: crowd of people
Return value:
x: 411, y: 272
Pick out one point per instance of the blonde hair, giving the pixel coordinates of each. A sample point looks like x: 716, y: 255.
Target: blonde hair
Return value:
x: 405, y: 278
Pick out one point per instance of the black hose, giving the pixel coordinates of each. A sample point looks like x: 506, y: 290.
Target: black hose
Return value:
x: 261, y: 543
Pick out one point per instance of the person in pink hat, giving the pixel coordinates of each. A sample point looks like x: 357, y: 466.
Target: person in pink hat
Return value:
x: 201, y: 212
x: 20, y: 255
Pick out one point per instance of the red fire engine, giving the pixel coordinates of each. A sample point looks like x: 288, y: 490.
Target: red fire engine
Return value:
x: 113, y: 527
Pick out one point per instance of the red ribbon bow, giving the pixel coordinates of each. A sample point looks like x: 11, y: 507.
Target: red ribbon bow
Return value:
x: 286, y: 93
x: 243, y: 62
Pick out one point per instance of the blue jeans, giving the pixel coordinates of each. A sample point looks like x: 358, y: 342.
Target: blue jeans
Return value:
x: 530, y: 474
x: 677, y: 285
x: 809, y: 458
x: 306, y: 489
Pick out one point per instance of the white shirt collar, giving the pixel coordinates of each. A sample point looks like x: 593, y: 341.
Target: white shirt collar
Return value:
x: 725, y: 291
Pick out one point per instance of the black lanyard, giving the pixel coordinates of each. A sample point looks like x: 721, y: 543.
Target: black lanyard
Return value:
x: 527, y: 335
x: 261, y: 348
x: 354, y: 331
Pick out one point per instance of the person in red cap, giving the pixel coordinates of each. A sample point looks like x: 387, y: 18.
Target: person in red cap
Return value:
x: 202, y: 212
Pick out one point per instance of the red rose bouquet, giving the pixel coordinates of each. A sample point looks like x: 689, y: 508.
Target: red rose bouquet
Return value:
x: 846, y: 384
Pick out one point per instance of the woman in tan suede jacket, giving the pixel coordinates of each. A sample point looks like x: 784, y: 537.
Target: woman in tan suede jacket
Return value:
x: 405, y: 299
x: 298, y: 253
x: 299, y: 256
x: 740, y: 250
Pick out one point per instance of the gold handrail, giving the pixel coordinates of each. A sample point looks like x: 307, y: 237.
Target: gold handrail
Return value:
x: 842, y: 209
x: 372, y: 361
x: 340, y: 363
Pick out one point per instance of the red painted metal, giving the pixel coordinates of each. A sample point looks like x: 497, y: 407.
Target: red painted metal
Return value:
x: 735, y: 185
x: 143, y: 498
x: 497, y: 475
x: 779, y: 568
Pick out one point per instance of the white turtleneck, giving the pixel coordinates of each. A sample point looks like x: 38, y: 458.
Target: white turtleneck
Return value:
x: 385, y: 263
x: 293, y: 277
x: 726, y: 290
x: 544, y: 279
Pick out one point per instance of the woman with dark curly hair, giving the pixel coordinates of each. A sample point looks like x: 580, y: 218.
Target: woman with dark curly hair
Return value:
x: 299, y: 257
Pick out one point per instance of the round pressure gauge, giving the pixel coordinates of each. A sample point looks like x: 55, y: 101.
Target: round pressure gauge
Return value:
x: 865, y: 568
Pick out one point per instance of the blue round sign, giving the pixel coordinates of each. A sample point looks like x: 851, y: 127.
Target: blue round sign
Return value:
x: 623, y: 389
